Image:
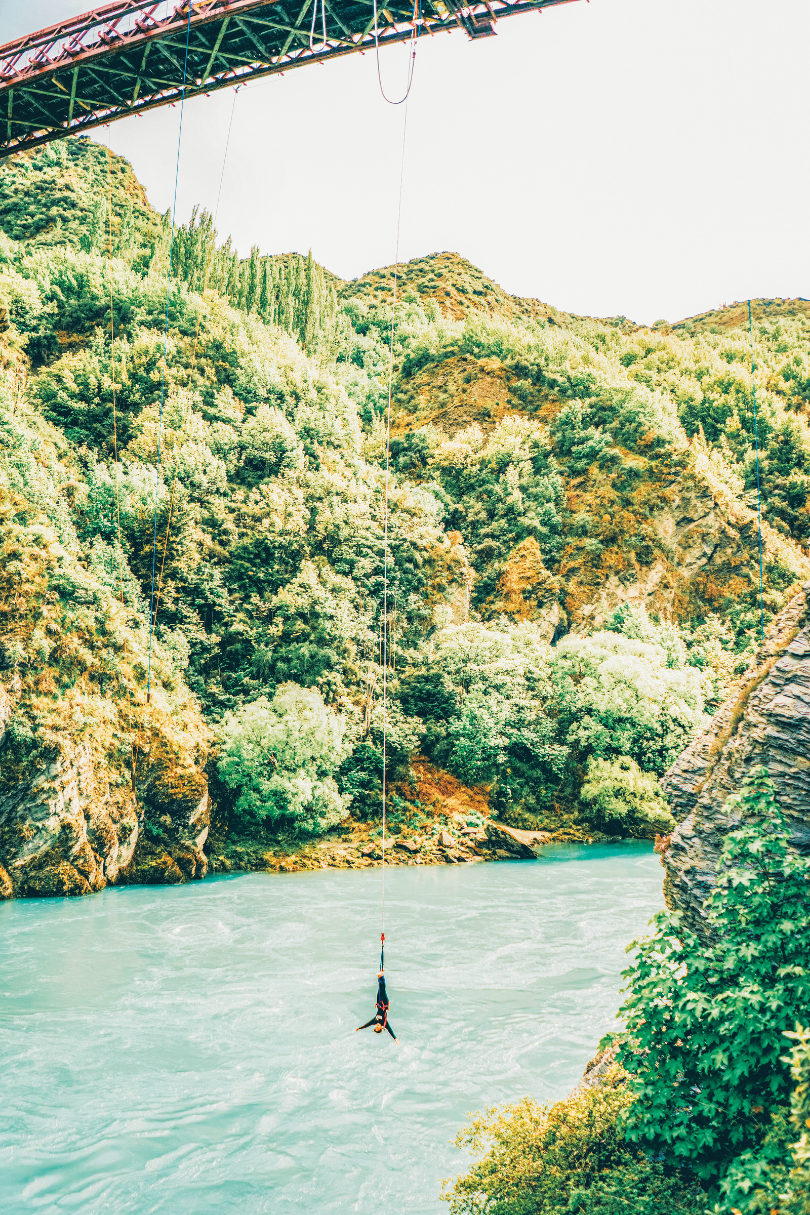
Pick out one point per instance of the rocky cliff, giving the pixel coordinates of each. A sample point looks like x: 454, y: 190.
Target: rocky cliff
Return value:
x: 766, y: 720
x: 100, y: 780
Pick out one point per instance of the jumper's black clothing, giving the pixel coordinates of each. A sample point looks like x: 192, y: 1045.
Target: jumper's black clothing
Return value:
x: 381, y: 1015
x: 380, y: 1019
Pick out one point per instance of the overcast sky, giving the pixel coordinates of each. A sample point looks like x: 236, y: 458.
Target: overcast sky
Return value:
x: 639, y: 157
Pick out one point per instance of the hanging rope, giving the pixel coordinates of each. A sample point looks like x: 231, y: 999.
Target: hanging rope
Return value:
x: 385, y: 505
x: 194, y: 358
x: 133, y: 754
x: 412, y: 60
x: 112, y: 374
x: 322, y: 47
x: 163, y: 372
x: 756, y: 450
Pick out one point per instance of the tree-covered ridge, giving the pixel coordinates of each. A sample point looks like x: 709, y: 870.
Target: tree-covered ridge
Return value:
x: 449, y: 284
x: 550, y: 476
x: 636, y: 428
x: 60, y: 195
x: 735, y: 316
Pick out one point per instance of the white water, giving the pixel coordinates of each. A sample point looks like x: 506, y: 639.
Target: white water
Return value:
x: 192, y: 1049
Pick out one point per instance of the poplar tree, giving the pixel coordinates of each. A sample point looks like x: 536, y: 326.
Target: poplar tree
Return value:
x: 252, y: 280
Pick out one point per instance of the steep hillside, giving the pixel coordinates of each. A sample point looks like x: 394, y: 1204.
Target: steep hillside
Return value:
x: 62, y: 193
x: 572, y: 560
x: 735, y: 316
x: 91, y: 768
x: 451, y: 284
x: 635, y: 478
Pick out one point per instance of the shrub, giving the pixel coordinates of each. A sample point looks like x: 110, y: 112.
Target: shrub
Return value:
x: 620, y: 697
x: 567, y: 1157
x: 706, y: 1017
x: 776, y: 1177
x: 644, y: 1188
x: 622, y: 798
x: 280, y: 756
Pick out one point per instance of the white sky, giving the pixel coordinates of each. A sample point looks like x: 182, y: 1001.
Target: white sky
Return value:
x: 638, y: 157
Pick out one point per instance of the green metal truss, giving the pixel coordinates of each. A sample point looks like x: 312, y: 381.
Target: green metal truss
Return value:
x: 122, y: 58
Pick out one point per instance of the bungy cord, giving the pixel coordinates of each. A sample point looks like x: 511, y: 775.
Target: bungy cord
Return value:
x: 385, y: 506
x: 133, y: 752
x: 194, y: 357
x: 323, y: 25
x: 411, y: 65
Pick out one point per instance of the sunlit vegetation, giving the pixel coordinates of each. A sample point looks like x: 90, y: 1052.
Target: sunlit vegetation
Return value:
x: 705, y: 1107
x: 534, y: 458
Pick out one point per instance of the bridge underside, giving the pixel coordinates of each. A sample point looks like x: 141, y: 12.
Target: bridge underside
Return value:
x: 123, y: 58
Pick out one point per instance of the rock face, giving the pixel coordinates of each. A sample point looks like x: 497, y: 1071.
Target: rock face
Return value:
x: 100, y: 782
x: 766, y: 721
x: 517, y: 843
x: 708, y: 552
x: 61, y: 834
x: 67, y: 832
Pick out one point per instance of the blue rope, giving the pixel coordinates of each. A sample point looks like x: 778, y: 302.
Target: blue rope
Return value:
x: 756, y: 449
x: 163, y: 371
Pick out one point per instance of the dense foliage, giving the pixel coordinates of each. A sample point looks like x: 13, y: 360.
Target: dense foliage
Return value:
x: 281, y: 757
x: 703, y: 1094
x: 532, y: 454
x: 503, y: 706
x: 706, y: 1019
x: 569, y: 1157
x: 775, y: 1176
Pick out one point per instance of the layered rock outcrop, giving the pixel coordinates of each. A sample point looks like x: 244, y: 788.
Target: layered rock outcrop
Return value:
x: 60, y: 834
x: 765, y: 721
x: 68, y: 830
x: 100, y: 782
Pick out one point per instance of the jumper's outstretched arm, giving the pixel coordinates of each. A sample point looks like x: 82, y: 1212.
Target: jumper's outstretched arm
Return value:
x: 373, y: 1021
x: 390, y: 1030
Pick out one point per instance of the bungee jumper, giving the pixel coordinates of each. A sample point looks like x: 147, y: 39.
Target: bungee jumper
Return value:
x: 380, y: 1018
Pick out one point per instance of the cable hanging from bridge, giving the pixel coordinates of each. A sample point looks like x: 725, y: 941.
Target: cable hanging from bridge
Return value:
x: 322, y: 47
x: 203, y: 289
x: 411, y: 52
x: 386, y: 512
x: 133, y: 750
x: 756, y: 455
x: 163, y: 371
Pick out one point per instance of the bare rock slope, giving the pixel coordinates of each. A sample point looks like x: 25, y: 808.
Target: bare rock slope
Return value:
x: 766, y: 721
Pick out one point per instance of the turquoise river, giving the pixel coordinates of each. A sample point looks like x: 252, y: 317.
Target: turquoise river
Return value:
x: 190, y: 1050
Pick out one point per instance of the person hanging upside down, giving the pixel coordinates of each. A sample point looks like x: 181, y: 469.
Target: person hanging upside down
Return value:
x: 380, y: 1018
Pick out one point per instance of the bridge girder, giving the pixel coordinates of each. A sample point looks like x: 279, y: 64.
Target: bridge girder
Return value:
x: 120, y: 59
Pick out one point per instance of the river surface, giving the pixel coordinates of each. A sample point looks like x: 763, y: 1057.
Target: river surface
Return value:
x: 192, y: 1049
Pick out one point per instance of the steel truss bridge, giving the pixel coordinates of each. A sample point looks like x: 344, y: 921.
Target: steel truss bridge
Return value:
x: 127, y: 57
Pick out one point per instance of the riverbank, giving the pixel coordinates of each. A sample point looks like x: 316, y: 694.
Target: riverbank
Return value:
x: 441, y: 822
x: 457, y: 841
x: 447, y: 839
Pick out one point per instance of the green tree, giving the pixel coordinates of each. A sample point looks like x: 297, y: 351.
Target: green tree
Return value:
x: 621, y: 798
x: 279, y: 757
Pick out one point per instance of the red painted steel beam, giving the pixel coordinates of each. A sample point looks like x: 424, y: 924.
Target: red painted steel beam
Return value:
x: 121, y: 59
